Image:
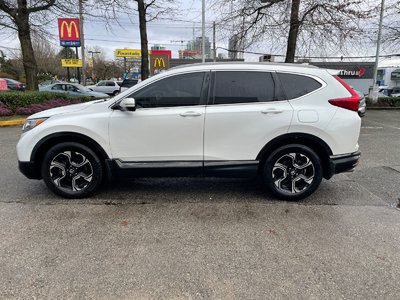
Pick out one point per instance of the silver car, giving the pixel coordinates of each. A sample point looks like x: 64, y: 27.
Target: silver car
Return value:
x: 72, y: 89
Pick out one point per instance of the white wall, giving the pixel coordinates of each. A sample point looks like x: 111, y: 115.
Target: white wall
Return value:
x: 358, y: 84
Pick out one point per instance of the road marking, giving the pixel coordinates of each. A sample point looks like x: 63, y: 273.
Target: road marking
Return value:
x: 371, y: 127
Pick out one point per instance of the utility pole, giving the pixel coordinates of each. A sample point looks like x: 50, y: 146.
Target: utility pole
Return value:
x: 203, y: 31
x: 81, y: 20
x: 378, y: 45
x: 214, y: 43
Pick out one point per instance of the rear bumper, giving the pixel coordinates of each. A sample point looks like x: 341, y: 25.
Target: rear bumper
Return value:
x: 344, y: 163
x: 28, y: 168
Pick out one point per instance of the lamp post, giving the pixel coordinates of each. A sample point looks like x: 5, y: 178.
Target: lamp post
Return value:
x: 203, y: 31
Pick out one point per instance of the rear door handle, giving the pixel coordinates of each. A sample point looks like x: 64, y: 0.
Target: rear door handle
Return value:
x: 271, y: 111
x: 190, y: 114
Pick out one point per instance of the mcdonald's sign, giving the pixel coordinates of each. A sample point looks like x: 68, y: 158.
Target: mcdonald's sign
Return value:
x: 158, y: 63
x: 69, y: 32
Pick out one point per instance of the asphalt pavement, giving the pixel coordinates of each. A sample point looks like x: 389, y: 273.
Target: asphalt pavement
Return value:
x: 202, y: 238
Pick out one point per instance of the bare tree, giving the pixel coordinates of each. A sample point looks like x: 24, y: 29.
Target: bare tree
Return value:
x: 322, y: 21
x: 147, y: 11
x: 17, y: 16
x: 391, y: 26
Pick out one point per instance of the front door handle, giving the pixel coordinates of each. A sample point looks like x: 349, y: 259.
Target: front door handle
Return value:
x: 190, y: 114
x: 271, y: 111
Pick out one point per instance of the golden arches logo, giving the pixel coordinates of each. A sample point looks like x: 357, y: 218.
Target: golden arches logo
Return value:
x: 69, y: 29
x: 159, y: 61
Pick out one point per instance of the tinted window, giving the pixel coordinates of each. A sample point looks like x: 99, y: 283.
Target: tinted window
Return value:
x: 129, y: 82
x: 71, y: 88
x: 243, y: 87
x: 110, y: 83
x: 297, y: 85
x: 58, y: 87
x: 179, y: 90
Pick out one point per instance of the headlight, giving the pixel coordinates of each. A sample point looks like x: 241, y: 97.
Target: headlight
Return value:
x: 32, y: 123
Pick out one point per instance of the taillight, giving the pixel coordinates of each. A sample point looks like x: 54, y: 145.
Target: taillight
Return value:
x: 350, y: 103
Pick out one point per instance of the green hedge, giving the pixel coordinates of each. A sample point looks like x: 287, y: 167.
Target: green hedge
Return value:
x: 22, y: 99
x: 385, y: 102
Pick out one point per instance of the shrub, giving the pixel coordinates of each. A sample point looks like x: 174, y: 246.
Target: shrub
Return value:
x: 385, y: 102
x: 21, y: 99
x: 4, y: 110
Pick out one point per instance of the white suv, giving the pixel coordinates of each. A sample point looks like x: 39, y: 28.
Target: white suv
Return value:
x: 290, y: 124
x: 106, y: 86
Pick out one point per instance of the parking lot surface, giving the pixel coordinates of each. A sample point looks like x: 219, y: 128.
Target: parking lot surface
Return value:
x: 205, y: 237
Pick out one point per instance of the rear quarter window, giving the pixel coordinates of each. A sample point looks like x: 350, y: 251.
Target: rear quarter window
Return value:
x: 296, y: 85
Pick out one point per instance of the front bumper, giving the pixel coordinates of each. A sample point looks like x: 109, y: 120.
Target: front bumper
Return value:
x: 29, y: 169
x: 344, y: 163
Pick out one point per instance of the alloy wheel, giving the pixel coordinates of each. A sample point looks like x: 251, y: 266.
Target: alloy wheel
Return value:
x: 293, y: 173
x: 71, y: 170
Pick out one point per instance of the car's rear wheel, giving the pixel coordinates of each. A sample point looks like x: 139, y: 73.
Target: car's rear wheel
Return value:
x: 116, y: 93
x: 72, y: 170
x: 292, y: 172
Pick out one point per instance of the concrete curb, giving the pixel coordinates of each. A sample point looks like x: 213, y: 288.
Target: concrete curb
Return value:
x: 383, y: 108
x: 18, y: 122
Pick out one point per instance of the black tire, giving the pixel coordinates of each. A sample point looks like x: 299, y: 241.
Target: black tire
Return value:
x: 292, y: 172
x: 72, y: 170
x: 116, y: 93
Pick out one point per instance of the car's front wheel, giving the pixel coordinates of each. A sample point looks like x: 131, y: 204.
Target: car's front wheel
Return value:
x: 292, y: 172
x: 72, y: 170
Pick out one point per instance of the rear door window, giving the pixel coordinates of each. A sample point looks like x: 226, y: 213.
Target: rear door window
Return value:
x: 296, y: 85
x: 233, y: 87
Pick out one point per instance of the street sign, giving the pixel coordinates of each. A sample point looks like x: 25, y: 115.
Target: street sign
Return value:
x: 71, y: 63
x: 158, y: 63
x: 130, y: 53
x: 90, y: 62
x: 69, y: 32
x: 134, y: 53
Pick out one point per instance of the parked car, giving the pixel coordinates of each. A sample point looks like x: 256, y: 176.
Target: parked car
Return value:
x: 106, y: 86
x: 362, y: 106
x: 73, y: 90
x: 290, y: 124
x: 15, y: 85
x: 128, y: 83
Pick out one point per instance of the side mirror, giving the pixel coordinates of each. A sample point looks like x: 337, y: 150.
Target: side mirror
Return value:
x: 128, y: 104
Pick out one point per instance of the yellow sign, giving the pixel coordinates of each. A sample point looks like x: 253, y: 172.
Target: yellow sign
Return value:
x: 159, y: 63
x: 71, y: 63
x: 134, y: 53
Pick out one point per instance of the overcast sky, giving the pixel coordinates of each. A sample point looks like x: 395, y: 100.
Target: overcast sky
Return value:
x: 126, y: 34
x: 162, y: 31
